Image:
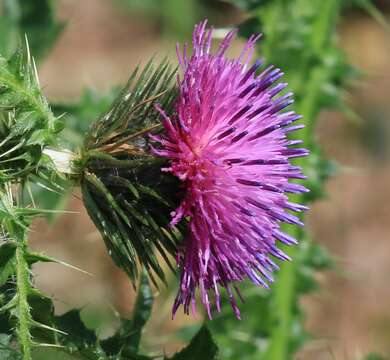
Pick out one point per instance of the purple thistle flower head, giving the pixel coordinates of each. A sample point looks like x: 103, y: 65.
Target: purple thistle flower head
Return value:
x: 227, y: 143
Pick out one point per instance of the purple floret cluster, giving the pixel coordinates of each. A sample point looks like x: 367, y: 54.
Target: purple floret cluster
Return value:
x: 228, y: 144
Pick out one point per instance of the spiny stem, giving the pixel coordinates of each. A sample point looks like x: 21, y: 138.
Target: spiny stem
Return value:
x: 22, y: 286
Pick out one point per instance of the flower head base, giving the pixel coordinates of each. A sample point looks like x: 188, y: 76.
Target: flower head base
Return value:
x: 228, y: 145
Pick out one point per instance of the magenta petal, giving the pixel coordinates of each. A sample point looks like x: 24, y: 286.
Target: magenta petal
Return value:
x: 228, y: 144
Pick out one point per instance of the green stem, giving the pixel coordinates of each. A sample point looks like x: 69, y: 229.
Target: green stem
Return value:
x: 23, y: 309
x: 285, y: 288
x: 18, y: 233
x: 283, y: 302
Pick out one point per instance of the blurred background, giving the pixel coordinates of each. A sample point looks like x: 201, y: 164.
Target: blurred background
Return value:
x: 104, y: 40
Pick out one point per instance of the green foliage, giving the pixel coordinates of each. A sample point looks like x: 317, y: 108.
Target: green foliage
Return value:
x: 70, y: 332
x: 126, y: 341
x: 36, y: 19
x: 202, y: 346
x: 79, y: 339
x: 374, y: 356
x: 6, y: 350
x: 27, y: 124
x: 128, y: 197
x: 252, y: 337
x: 125, y: 193
x: 27, y: 127
x: 298, y: 36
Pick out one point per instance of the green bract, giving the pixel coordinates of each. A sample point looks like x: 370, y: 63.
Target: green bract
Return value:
x: 124, y: 190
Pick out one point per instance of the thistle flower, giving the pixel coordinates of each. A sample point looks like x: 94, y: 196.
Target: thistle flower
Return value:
x: 124, y: 191
x: 228, y: 145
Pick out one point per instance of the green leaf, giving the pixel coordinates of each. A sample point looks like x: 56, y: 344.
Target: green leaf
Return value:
x: 42, y: 308
x: 7, y: 261
x: 141, y: 314
x: 99, y: 318
x: 79, y: 341
x: 57, y: 354
x: 27, y: 124
x: 8, y: 301
x: 202, y: 346
x: 127, y: 339
x: 42, y: 198
x: 6, y: 351
x: 79, y: 336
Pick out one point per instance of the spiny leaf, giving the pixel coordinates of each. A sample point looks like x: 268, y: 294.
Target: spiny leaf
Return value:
x: 27, y: 124
x: 33, y: 257
x: 78, y: 336
x: 36, y: 195
x: 202, y: 346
